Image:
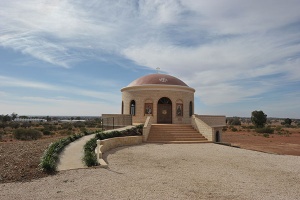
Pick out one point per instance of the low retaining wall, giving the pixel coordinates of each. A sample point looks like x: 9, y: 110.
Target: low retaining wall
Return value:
x: 111, y: 143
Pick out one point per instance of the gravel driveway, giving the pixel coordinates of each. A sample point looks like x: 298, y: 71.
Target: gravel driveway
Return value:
x: 172, y: 171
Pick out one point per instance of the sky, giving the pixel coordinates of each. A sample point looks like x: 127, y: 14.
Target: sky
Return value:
x: 72, y: 57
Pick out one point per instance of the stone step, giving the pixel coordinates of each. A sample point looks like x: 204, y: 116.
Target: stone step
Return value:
x: 179, y: 142
x: 175, y: 133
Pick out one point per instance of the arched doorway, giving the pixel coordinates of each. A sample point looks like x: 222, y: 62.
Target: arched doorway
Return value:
x: 217, y: 136
x: 164, y: 111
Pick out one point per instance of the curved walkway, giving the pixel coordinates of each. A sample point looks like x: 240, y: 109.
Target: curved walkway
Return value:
x: 71, y: 156
x: 172, y: 171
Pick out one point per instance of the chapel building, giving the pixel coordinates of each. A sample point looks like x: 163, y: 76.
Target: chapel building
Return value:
x: 165, y: 105
x: 166, y: 98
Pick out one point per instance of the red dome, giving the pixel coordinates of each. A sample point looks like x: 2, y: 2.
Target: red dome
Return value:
x: 161, y: 79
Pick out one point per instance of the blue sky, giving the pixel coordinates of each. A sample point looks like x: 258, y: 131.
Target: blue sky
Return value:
x: 66, y: 57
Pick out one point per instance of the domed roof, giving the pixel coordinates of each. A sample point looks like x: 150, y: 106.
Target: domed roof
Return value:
x: 160, y: 79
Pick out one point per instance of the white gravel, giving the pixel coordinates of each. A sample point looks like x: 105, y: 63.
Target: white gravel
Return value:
x: 172, y: 171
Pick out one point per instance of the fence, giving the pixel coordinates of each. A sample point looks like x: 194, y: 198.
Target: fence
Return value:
x: 112, y: 121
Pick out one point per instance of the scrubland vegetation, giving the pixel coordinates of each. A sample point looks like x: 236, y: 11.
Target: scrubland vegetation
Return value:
x: 32, y: 130
x: 259, y: 123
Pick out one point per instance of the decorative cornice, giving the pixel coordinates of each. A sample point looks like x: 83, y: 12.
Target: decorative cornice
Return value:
x: 158, y: 87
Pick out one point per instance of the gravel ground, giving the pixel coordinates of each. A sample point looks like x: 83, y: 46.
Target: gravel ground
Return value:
x: 171, y: 171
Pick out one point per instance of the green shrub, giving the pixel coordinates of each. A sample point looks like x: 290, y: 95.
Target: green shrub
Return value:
x: 90, y: 158
x: 83, y: 129
x: 49, y: 159
x: 27, y: 134
x: 265, y: 130
x: 266, y: 135
x: 47, y: 132
x: 234, y: 129
x: 278, y: 128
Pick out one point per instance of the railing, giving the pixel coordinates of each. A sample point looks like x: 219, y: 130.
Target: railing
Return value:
x: 109, y: 122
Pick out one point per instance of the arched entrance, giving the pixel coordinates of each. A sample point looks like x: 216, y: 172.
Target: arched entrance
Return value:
x: 217, y: 136
x: 164, y: 111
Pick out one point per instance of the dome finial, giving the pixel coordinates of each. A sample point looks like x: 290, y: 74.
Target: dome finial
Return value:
x: 157, y: 68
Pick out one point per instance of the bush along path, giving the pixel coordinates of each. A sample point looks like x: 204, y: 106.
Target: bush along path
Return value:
x: 50, y: 157
x: 90, y: 157
x: 73, y: 156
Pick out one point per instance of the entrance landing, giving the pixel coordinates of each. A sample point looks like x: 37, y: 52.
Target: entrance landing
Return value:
x: 175, y: 133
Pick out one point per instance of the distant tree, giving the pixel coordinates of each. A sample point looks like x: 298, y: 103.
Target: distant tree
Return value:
x: 23, y: 117
x: 258, y: 118
x: 6, y: 118
x: 234, y: 121
x: 48, y: 119
x: 77, y: 118
x: 14, y: 116
x: 288, y: 121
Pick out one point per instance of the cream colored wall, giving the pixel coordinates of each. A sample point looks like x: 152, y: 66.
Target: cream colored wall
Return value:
x: 208, y: 125
x: 144, y: 94
x: 213, y: 120
x: 147, y: 127
x: 203, y: 128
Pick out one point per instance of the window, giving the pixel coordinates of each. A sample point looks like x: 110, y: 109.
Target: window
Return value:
x: 191, y: 108
x: 132, y: 107
x: 122, y: 111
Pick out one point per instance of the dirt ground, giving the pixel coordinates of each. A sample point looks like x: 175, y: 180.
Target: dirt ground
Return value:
x: 277, y: 144
x: 19, y: 160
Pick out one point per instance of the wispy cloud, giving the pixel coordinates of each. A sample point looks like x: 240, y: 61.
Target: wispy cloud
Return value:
x: 15, y: 82
x: 111, y: 97
x: 56, y: 106
x: 229, y: 50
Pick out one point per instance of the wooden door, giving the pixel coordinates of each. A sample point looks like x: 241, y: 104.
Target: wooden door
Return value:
x: 164, y: 113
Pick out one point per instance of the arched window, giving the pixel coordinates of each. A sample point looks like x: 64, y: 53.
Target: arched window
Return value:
x: 132, y: 107
x: 191, y: 108
x: 122, y: 111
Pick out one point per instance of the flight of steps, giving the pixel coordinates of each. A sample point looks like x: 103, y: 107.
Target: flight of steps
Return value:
x: 174, y: 133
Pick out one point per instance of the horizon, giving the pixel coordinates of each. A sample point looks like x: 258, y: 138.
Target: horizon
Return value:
x: 106, y: 113
x: 72, y: 58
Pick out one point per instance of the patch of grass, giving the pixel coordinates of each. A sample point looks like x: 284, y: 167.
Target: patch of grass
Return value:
x: 27, y: 134
x: 266, y: 135
x: 234, y: 129
x: 265, y: 130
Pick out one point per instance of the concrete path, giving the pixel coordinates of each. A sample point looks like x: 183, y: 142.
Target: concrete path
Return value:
x: 71, y: 156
